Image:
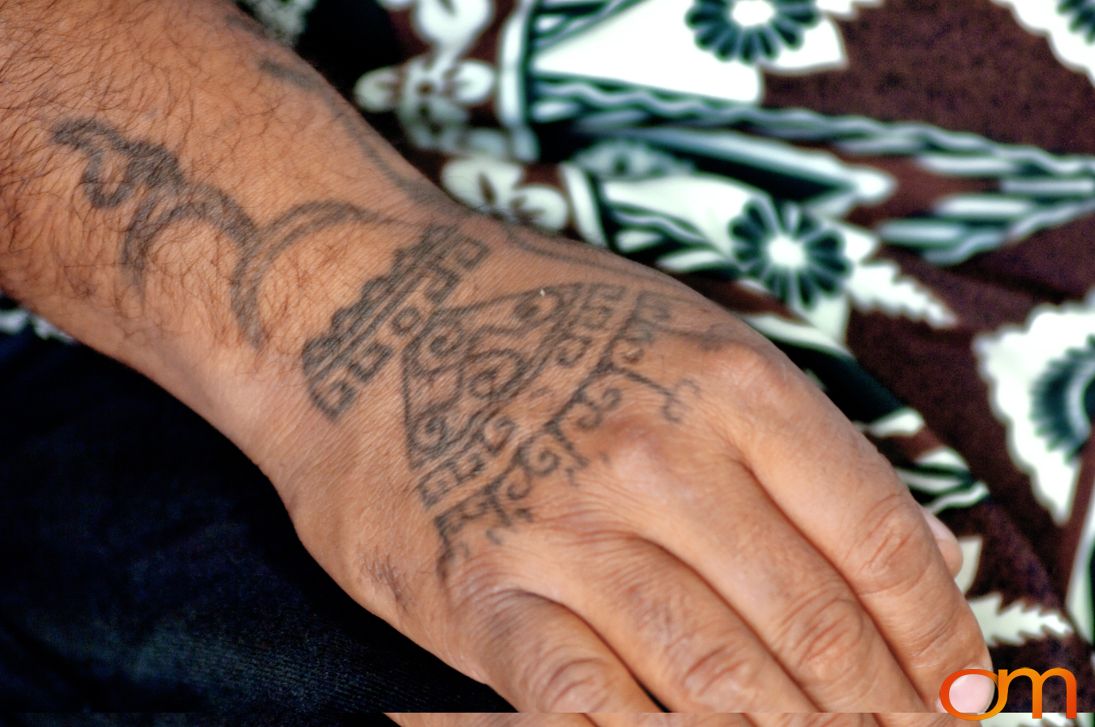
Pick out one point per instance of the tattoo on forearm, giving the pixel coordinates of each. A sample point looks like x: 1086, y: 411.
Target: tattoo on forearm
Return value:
x: 148, y: 181
x: 121, y: 170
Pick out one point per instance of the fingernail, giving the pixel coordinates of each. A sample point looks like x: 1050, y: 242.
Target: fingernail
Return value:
x: 939, y: 530
x: 970, y: 694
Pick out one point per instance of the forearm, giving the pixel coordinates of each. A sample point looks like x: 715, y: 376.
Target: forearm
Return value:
x: 190, y: 198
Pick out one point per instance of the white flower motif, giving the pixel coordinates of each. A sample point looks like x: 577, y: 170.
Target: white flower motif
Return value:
x: 712, y: 48
x: 448, y: 25
x: 1038, y: 391
x: 430, y: 94
x: 494, y: 187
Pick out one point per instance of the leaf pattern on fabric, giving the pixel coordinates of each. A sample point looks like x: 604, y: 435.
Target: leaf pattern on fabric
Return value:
x: 713, y: 48
x: 1069, y: 25
x: 1039, y: 377
x: 1012, y: 624
x: 1017, y: 622
x: 1064, y: 399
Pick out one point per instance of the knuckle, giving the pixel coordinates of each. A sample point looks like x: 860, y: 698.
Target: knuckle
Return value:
x: 825, y: 635
x: 479, y: 580
x: 889, y: 555
x: 722, y: 677
x: 946, y: 640
x: 766, y: 388
x: 632, y: 447
x: 571, y: 683
x: 752, y: 369
x: 583, y: 525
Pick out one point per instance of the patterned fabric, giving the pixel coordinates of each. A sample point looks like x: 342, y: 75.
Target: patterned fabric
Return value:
x: 898, y: 193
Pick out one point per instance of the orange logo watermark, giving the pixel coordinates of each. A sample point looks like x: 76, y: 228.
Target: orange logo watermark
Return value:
x: 1003, y: 679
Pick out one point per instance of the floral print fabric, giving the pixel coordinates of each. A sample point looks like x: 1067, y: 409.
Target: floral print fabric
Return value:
x: 898, y: 193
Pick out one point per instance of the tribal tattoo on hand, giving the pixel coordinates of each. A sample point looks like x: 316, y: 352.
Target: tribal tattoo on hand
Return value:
x: 474, y: 376
x: 485, y: 421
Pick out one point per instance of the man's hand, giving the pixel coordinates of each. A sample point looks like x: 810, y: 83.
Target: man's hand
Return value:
x: 568, y: 476
x: 606, y: 484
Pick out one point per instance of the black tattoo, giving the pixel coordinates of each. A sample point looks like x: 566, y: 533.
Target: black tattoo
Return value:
x: 122, y: 171
x: 464, y: 368
x: 363, y: 335
x: 485, y: 419
x: 480, y: 464
x: 473, y: 376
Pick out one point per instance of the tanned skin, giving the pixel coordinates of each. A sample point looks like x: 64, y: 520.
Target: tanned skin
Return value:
x: 564, y: 474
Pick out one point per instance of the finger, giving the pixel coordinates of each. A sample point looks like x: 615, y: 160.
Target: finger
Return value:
x: 945, y: 541
x: 678, y: 637
x: 543, y: 658
x: 792, y: 598
x: 846, y: 499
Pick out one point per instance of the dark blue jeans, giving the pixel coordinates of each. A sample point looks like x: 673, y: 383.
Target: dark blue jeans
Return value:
x: 147, y: 565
